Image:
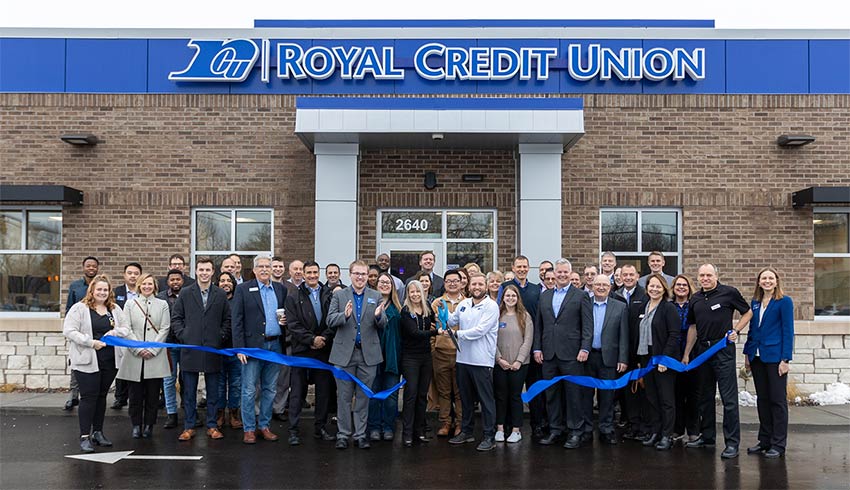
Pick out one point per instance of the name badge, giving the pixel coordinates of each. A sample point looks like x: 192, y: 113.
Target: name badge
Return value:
x: 412, y: 315
x: 756, y: 306
x: 715, y: 307
x: 463, y: 308
x: 370, y: 301
x: 502, y: 324
x: 641, y: 315
x: 253, y: 289
x: 119, y: 298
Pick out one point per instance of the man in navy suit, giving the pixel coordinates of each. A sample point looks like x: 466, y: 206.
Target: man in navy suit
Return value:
x: 256, y: 324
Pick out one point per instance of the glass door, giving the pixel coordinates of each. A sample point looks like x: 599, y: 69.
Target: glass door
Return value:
x: 404, y: 256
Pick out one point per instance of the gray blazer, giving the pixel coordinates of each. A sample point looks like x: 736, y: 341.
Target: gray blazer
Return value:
x: 77, y: 328
x: 346, y: 328
x: 565, y: 333
x: 643, y: 279
x: 143, y: 331
x: 615, y: 334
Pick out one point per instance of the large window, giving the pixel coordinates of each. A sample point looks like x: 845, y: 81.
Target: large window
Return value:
x: 832, y: 261
x: 633, y: 233
x: 219, y: 232
x: 30, y: 256
x: 457, y: 237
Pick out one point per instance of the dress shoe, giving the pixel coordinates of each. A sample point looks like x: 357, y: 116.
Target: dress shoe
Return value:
x: 609, y: 438
x: 758, y: 448
x: 730, y: 452
x: 462, y: 438
x: 573, y: 442
x: 443, y: 431
x: 487, y: 444
x: 71, y: 403
x: 86, y: 445
x: 375, y: 435
x: 137, y: 431
x: 266, y: 434
x: 363, y: 443
x: 650, y: 440
x: 700, y: 443
x: 664, y: 443
x: 170, y: 421
x: 249, y: 438
x: 235, y: 418
x: 214, y: 433
x: 324, y: 435
x: 294, y: 440
x: 186, y: 435
x: 773, y: 453
x: 550, y: 439
x: 341, y: 443
x: 147, y: 432
x: 99, y: 439
x: 389, y: 436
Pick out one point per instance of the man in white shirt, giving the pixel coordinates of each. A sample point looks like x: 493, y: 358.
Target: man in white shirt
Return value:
x: 478, y: 327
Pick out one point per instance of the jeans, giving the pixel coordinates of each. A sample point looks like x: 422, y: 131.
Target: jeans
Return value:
x: 230, y: 384
x: 382, y: 413
x: 266, y: 373
x: 170, y: 383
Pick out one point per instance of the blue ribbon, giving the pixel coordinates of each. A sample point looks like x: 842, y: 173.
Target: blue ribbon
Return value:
x: 263, y: 355
x: 443, y: 314
x: 625, y: 379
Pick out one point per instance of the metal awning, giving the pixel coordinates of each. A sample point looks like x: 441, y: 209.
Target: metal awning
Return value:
x: 31, y: 194
x: 821, y: 196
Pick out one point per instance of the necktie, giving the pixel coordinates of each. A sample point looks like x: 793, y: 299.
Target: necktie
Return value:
x: 317, y: 307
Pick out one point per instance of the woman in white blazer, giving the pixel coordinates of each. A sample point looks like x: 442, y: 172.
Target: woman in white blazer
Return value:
x: 92, y: 361
x: 144, y: 369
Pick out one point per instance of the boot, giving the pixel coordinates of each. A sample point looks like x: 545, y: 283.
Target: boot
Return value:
x: 86, y: 445
x: 235, y: 418
x: 219, y: 418
x: 99, y: 439
x: 170, y: 421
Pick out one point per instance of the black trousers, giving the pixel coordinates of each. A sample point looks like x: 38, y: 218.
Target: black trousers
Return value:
x: 476, y: 384
x: 720, y: 372
x: 417, y: 370
x: 144, y: 400
x: 566, y: 401
x: 325, y: 393
x: 122, y: 390
x: 772, y: 392
x: 507, y: 387
x: 190, y: 403
x: 93, y: 389
x: 687, y: 415
x: 661, y: 401
x: 597, y: 369
x: 536, y: 407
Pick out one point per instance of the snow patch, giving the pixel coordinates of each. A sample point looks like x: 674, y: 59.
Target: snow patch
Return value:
x: 835, y: 394
x: 746, y: 399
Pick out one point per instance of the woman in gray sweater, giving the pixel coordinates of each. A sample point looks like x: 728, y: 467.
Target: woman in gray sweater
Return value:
x: 513, y: 347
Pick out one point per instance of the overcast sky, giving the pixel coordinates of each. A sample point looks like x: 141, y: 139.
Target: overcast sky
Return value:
x: 728, y: 14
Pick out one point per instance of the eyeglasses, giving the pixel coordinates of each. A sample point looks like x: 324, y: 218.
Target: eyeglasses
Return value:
x: 358, y: 274
x: 452, y: 281
x: 384, y: 283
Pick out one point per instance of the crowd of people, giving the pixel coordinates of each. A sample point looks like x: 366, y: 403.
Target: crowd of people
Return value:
x: 463, y: 341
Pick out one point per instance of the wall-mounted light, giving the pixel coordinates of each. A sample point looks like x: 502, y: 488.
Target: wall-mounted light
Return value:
x: 794, y: 140
x: 472, y: 178
x: 430, y: 180
x: 83, y: 139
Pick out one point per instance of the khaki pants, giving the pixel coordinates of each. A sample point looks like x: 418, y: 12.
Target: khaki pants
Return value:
x: 445, y: 380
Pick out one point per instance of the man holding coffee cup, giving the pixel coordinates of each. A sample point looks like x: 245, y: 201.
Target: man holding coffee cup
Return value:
x: 258, y: 321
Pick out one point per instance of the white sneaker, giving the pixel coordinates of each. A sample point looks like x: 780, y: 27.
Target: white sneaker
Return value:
x: 515, y: 437
x: 500, y: 436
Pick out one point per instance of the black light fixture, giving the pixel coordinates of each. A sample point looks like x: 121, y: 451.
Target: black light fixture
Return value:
x: 430, y: 180
x: 794, y: 140
x: 472, y: 178
x: 82, y: 139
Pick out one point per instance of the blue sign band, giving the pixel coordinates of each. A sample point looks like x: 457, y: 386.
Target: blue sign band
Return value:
x: 625, y: 379
x: 263, y: 355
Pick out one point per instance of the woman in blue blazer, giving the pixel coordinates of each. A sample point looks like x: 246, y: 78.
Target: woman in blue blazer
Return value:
x: 770, y: 343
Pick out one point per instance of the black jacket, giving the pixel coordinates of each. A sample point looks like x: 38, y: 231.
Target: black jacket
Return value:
x: 666, y: 329
x: 196, y: 325
x: 637, y: 305
x: 301, y: 321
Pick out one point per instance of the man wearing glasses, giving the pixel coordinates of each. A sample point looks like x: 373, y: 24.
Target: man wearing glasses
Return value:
x: 177, y: 262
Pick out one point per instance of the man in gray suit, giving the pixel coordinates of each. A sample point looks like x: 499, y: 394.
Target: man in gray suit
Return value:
x: 562, y: 337
x: 609, y: 353
x: 356, y: 315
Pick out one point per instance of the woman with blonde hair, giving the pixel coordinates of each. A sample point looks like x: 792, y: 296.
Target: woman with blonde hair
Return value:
x: 417, y: 328
x: 144, y: 369
x: 92, y: 361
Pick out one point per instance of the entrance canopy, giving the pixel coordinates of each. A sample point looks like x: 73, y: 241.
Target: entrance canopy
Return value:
x: 447, y: 122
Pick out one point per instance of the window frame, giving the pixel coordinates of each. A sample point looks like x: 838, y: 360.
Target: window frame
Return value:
x: 233, y: 210
x: 24, y: 251
x: 828, y: 255
x: 639, y: 237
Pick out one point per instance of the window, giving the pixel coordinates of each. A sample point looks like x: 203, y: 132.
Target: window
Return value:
x: 30, y: 256
x: 832, y: 262
x: 457, y: 237
x: 632, y: 233
x: 219, y: 232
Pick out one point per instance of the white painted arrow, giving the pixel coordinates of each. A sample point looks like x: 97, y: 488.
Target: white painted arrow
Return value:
x: 115, y: 456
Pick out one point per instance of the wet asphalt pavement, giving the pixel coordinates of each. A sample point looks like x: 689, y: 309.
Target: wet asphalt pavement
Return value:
x: 33, y: 444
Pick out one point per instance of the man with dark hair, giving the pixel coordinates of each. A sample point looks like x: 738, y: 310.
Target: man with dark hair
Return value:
x: 124, y: 293
x: 76, y: 292
x: 426, y: 263
x: 542, y: 269
x: 174, y: 284
x: 444, y: 355
x: 278, y: 269
x: 332, y: 276
x: 311, y: 337
x: 237, y: 267
x: 175, y: 262
x: 383, y: 263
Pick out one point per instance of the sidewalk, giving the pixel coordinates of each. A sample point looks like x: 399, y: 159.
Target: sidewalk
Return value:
x: 830, y: 416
